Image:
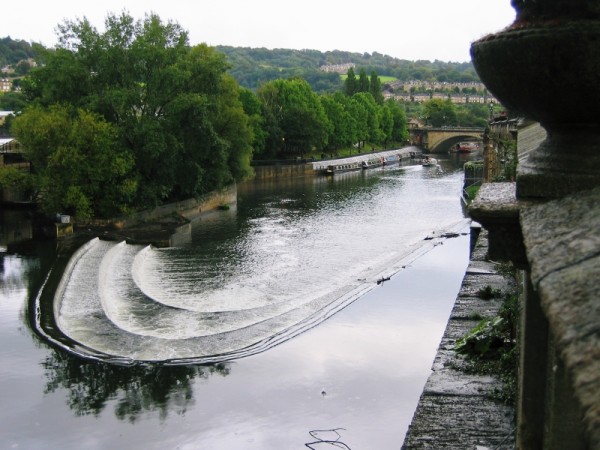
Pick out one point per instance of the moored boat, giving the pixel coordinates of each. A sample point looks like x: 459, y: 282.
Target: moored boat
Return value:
x: 466, y: 147
x: 336, y: 168
x: 373, y: 162
x: 427, y: 162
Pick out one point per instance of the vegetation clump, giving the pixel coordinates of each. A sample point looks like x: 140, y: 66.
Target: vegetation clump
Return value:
x: 490, y: 348
x: 488, y: 293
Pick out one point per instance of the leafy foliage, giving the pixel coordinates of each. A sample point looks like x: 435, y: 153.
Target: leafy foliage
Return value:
x: 172, y: 109
x: 491, y: 346
x: 440, y: 112
x: 79, y: 167
x: 296, y: 118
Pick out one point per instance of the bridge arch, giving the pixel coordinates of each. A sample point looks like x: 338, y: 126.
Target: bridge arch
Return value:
x: 441, y: 139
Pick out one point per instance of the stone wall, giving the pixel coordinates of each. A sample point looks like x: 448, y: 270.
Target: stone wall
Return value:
x: 530, y: 135
x: 189, y: 209
x: 283, y: 170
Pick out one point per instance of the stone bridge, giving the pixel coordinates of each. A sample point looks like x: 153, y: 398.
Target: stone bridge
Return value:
x: 441, y: 139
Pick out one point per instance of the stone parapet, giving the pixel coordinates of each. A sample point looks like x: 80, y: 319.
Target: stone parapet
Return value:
x: 563, y: 246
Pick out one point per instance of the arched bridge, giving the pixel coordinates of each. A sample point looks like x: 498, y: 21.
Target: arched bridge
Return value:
x: 440, y: 139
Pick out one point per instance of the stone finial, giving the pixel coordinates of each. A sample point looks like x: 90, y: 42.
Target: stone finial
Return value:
x: 531, y: 11
x: 546, y: 67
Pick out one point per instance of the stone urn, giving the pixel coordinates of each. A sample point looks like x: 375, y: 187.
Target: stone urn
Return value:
x: 546, y: 67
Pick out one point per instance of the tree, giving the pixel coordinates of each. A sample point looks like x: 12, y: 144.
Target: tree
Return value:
x: 373, y: 117
x: 175, y: 110
x: 363, y: 81
x: 78, y: 164
x: 473, y: 115
x: 12, y: 101
x: 387, y: 123
x: 360, y: 114
x: 350, y: 83
x: 297, y: 120
x: 400, y: 123
x: 375, y: 88
x: 343, y: 130
x: 18, y: 179
x: 440, y: 112
x: 256, y: 121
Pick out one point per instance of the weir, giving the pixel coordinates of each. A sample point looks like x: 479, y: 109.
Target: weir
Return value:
x: 225, y: 296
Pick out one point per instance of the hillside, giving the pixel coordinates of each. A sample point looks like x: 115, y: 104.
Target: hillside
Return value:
x: 253, y: 66
x: 13, y: 51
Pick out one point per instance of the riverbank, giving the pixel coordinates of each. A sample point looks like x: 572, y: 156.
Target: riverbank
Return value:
x: 164, y: 226
x: 458, y: 410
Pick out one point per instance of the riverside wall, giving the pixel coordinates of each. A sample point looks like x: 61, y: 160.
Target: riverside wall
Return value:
x: 278, y: 170
x: 459, y: 410
x: 163, y: 226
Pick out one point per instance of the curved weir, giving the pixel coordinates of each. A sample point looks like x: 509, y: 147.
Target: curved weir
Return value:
x: 285, y: 271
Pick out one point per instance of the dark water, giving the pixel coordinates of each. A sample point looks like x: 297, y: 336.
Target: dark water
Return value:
x: 287, y: 279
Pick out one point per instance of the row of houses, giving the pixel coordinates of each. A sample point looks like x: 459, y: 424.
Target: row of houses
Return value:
x: 337, y: 68
x: 437, y: 85
x: 454, y: 98
x: 6, y: 85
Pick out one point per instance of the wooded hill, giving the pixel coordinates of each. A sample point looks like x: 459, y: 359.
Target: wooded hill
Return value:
x: 13, y: 51
x: 253, y: 66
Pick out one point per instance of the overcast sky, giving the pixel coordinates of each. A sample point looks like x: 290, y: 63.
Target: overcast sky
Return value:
x: 406, y: 29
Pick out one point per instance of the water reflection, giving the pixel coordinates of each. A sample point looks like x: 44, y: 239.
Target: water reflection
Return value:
x: 15, y: 227
x: 91, y: 386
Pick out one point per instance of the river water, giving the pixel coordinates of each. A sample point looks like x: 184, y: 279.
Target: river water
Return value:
x: 268, y: 325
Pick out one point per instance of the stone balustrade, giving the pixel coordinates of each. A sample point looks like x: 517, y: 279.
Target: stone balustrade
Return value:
x: 548, y: 221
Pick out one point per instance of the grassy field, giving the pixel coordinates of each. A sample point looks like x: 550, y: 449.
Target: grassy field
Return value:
x: 382, y: 78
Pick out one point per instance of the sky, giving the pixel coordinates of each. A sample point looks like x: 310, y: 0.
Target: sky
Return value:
x: 405, y: 29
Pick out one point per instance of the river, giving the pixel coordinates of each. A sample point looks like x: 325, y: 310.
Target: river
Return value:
x: 268, y: 325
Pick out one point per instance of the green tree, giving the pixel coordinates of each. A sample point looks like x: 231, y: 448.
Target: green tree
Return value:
x: 473, y: 115
x: 375, y: 132
x: 440, y: 112
x: 12, y: 101
x: 375, y: 88
x: 386, y: 119
x: 18, y: 179
x: 79, y: 166
x: 298, y: 120
x: 256, y: 121
x: 350, y: 83
x: 173, y: 106
x: 343, y: 130
x: 400, y: 123
x: 363, y: 81
x: 360, y: 115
